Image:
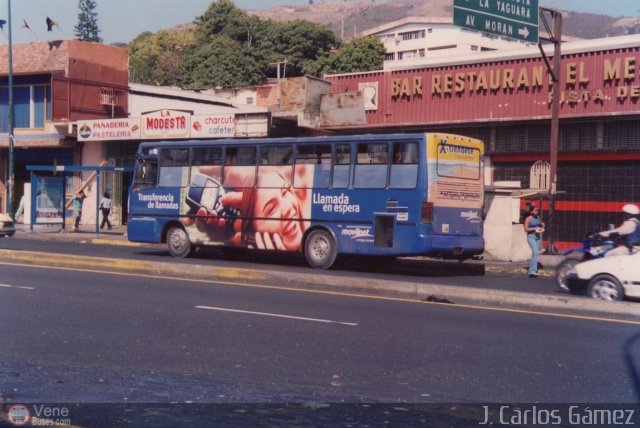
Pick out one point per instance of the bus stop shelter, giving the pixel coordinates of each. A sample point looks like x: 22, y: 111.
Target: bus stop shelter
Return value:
x: 48, y: 191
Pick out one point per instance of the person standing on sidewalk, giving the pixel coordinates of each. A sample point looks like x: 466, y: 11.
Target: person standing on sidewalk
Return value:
x: 105, y: 207
x: 77, y: 209
x: 534, y: 228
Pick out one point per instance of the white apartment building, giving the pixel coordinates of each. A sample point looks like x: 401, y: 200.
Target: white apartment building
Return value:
x: 429, y: 38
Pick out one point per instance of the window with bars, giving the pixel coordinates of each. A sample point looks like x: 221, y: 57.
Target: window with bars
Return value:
x: 613, y: 135
x: 411, y: 35
x: 621, y: 135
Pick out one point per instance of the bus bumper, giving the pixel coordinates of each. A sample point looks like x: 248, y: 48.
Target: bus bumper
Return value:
x: 452, y: 247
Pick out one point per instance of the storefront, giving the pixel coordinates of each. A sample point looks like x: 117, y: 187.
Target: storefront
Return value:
x: 504, y: 99
x: 55, y: 83
x: 117, y: 140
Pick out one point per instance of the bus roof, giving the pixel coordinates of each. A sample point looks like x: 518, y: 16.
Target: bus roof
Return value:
x: 293, y: 140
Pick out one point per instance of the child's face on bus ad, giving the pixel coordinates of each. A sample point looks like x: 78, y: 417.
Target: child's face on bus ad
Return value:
x: 278, y: 210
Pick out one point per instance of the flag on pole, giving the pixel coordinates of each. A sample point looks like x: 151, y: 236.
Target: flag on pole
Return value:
x: 26, y: 25
x: 51, y: 23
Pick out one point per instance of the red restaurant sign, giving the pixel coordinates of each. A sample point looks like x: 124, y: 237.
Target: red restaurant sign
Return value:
x: 592, y: 84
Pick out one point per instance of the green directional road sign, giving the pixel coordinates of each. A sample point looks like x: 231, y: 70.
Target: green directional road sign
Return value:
x: 517, y: 19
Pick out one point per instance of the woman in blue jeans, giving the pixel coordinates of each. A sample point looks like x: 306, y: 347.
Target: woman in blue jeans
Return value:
x: 534, y: 228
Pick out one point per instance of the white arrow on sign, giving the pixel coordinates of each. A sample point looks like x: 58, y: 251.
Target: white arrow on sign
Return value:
x: 524, y: 32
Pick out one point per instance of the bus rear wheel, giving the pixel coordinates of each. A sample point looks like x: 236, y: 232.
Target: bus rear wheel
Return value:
x: 320, y: 249
x: 178, y: 242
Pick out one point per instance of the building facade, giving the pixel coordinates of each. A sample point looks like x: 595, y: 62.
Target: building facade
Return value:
x: 73, y: 105
x: 55, y: 84
x: 504, y: 99
x: 159, y: 113
x: 417, y: 39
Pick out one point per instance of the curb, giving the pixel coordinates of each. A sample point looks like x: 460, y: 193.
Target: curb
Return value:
x: 83, y: 238
x: 117, y: 242
x: 492, y: 266
x: 437, y: 293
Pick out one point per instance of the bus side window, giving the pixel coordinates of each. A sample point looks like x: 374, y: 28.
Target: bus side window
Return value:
x: 174, y: 171
x: 313, y: 166
x: 146, y: 174
x: 404, y: 170
x: 275, y: 166
x: 239, y: 167
x: 372, y: 166
x: 276, y: 155
x: 342, y: 166
x: 207, y: 161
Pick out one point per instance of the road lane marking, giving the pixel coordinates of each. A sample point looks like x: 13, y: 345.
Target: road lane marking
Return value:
x: 333, y: 293
x: 16, y: 286
x: 267, y: 314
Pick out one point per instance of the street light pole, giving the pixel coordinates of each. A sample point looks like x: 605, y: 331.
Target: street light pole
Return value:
x: 555, y: 127
x: 555, y: 36
x: 10, y: 178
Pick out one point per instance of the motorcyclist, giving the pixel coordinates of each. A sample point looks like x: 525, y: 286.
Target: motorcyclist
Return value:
x: 629, y: 230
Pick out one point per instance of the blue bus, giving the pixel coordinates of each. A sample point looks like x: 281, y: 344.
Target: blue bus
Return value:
x: 381, y: 195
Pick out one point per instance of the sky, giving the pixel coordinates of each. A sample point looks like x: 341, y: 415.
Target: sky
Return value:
x: 123, y: 20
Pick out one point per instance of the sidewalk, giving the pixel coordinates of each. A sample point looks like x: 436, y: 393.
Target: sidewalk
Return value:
x: 86, y: 234
x: 118, y: 236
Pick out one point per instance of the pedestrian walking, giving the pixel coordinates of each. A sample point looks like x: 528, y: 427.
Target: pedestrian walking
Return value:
x: 105, y: 207
x: 77, y: 209
x: 534, y: 228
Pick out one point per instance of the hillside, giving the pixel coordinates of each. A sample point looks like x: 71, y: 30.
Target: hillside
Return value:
x: 352, y: 17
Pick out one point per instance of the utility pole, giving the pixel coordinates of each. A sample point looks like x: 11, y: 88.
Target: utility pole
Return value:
x: 10, y: 178
x: 284, y: 72
x: 555, y: 36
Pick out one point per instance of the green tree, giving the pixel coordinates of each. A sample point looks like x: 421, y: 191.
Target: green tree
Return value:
x: 249, y: 46
x: 159, y: 58
x: 223, y: 18
x: 222, y: 62
x: 362, y: 54
x: 299, y: 41
x: 227, y: 47
x: 87, y: 28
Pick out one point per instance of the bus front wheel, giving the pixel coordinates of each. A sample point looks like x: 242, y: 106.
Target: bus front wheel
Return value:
x: 178, y: 242
x: 320, y: 249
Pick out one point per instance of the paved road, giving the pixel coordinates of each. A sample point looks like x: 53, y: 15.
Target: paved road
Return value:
x: 76, y: 336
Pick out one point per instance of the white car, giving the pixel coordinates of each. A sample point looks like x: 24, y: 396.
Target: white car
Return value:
x: 607, y: 278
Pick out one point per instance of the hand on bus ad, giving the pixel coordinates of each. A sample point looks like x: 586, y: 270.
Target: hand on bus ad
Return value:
x: 266, y: 241
x: 219, y: 228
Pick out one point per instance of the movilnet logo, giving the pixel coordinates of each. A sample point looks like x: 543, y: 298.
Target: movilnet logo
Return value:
x: 18, y: 415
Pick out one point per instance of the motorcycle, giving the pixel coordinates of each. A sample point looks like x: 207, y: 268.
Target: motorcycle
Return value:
x: 593, y: 246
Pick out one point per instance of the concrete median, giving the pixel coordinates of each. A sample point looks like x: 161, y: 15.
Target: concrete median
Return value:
x: 436, y: 293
